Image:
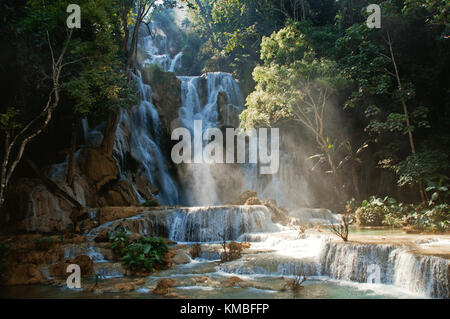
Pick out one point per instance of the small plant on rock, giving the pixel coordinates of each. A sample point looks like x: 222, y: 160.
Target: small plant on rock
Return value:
x: 119, y: 240
x: 233, y: 250
x: 296, y: 283
x: 341, y: 229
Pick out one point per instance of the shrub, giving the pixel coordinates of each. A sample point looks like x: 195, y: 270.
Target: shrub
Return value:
x: 141, y: 255
x: 119, y: 240
x: 296, y: 283
x: 435, y: 218
x: 144, y: 254
x: 373, y: 211
x: 426, y: 217
x: 341, y: 229
x: 232, y: 250
x: 150, y: 203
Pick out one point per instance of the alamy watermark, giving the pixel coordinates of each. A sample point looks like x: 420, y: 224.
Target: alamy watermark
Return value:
x: 74, y: 19
x: 74, y: 279
x: 374, y: 19
x: 374, y: 274
x: 213, y: 152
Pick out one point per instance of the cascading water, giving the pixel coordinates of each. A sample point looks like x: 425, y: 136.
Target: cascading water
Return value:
x: 139, y: 130
x: 199, y: 224
x: 215, y: 99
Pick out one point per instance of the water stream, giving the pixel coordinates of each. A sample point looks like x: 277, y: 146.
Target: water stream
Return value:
x: 334, y: 270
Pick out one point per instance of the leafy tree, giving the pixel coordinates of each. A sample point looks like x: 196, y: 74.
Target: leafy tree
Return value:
x: 82, y: 69
x: 294, y: 84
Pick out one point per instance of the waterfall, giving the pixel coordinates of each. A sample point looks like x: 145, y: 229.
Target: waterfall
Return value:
x: 142, y: 127
x: 198, y: 224
x: 204, y: 224
x: 214, y: 98
x: 424, y: 275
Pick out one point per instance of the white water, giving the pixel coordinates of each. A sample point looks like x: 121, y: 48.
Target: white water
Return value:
x: 200, y: 184
x: 282, y: 251
x: 275, y: 250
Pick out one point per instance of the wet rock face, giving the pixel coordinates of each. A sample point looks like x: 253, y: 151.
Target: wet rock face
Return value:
x: 279, y: 215
x: 228, y: 114
x: 108, y: 214
x: 166, y: 88
x: 24, y: 274
x: 86, y: 265
x: 100, y: 168
x: 48, y: 212
x: 119, y: 194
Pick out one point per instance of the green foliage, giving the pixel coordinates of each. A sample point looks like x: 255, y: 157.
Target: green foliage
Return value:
x: 144, y: 254
x: 422, y: 167
x: 119, y: 240
x: 292, y: 80
x: 151, y: 203
x: 9, y: 120
x: 389, y: 212
x: 373, y: 211
x: 93, y: 79
x: 440, y: 192
x: 435, y: 218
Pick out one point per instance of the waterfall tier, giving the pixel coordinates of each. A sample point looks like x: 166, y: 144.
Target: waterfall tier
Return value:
x: 198, y: 224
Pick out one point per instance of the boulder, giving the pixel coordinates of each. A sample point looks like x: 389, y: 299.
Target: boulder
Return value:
x: 195, y: 250
x: 23, y: 274
x: 232, y: 281
x: 181, y: 257
x: 129, y: 286
x: 244, y: 196
x: 86, y: 265
x: 253, y: 201
x: 279, y: 215
x: 102, y: 236
x: 163, y: 287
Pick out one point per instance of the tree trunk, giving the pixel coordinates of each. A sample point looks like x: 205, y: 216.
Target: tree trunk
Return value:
x: 110, y: 131
x: 53, y: 187
x: 400, y: 87
x: 71, y: 164
x: 355, y: 182
x: 15, y: 145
